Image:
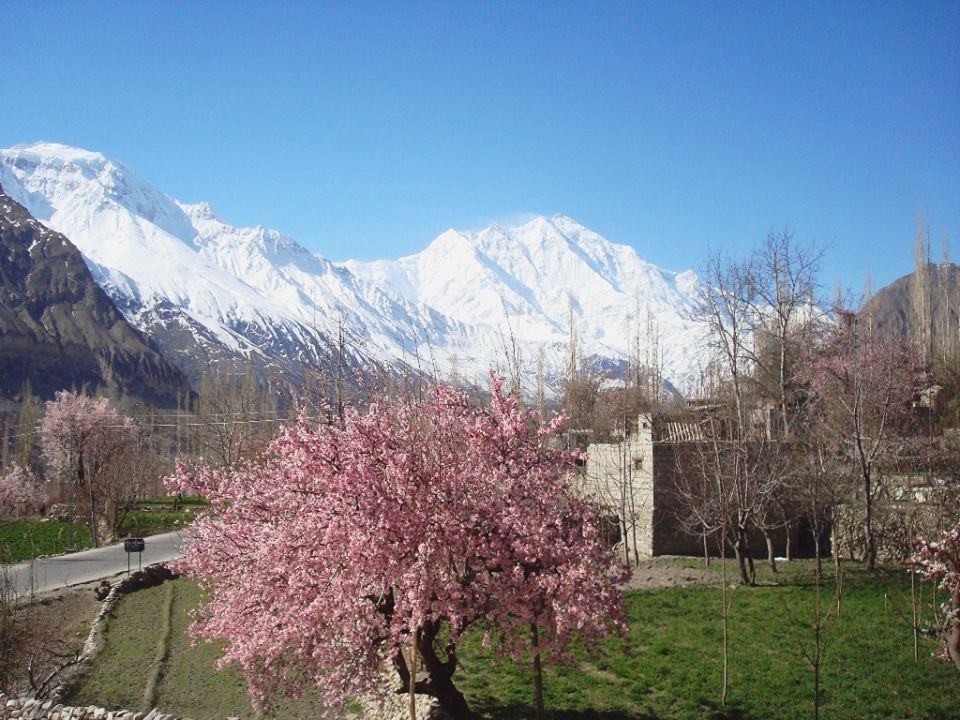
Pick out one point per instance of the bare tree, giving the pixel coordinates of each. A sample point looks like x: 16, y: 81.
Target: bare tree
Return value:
x: 726, y: 305
x: 920, y: 290
x: 784, y: 277
x: 541, y: 392
x: 231, y: 414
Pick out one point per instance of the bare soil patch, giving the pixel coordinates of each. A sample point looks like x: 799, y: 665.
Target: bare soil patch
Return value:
x: 51, y: 628
x: 669, y: 571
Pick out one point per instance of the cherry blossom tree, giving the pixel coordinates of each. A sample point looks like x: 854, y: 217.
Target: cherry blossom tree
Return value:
x: 400, y: 526
x: 19, y: 492
x: 81, y: 437
x: 861, y: 387
x: 939, y: 562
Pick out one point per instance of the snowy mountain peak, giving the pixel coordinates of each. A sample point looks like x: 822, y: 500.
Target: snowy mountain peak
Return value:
x: 178, y: 270
x: 201, y: 211
x: 529, y: 279
x: 57, y: 153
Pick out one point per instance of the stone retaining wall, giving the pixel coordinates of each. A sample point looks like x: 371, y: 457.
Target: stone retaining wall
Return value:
x: 30, y: 709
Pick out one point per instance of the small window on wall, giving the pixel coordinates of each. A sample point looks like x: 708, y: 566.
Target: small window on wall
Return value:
x: 638, y: 463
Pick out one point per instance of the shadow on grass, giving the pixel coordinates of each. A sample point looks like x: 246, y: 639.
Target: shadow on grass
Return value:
x: 716, y: 712
x: 518, y: 711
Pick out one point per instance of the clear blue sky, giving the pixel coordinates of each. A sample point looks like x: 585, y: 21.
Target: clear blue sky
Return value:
x: 364, y: 130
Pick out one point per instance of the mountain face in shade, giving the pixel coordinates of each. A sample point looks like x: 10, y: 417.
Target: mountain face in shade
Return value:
x: 892, y: 308
x: 206, y: 292
x: 58, y: 328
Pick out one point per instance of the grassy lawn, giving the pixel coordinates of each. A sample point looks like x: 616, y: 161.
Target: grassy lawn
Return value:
x: 189, y: 683
x: 26, y: 539
x: 668, y: 667
x: 138, y: 523
x: 184, y: 500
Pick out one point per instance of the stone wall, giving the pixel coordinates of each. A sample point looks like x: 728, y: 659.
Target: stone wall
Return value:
x: 896, y: 529
x: 620, y: 477
x: 29, y: 709
x: 668, y: 534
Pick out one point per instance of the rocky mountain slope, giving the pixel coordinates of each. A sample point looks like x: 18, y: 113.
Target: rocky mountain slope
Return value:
x: 59, y: 329
x: 892, y: 307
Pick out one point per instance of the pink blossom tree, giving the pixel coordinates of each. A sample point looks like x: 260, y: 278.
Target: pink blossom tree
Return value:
x: 403, y: 525
x: 81, y: 437
x: 939, y: 562
x: 861, y: 387
x: 20, y: 493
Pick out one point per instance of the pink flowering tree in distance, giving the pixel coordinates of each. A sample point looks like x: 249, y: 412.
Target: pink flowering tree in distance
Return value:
x: 860, y: 390
x: 402, y: 525
x: 80, y: 438
x: 20, y: 494
x: 939, y: 561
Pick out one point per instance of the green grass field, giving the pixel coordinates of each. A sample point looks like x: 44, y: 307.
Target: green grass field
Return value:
x: 188, y: 682
x: 185, y: 500
x: 150, y: 522
x: 26, y: 539
x: 668, y: 666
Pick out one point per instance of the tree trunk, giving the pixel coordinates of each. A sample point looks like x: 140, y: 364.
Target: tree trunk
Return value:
x: 816, y: 551
x: 81, y: 481
x: 706, y: 550
x: 771, y: 556
x: 441, y: 684
x: 412, y: 687
x: 745, y: 539
x: 952, y: 638
x: 838, y: 570
x: 724, y: 617
x: 869, y: 544
x: 626, y: 544
x: 741, y: 562
x: 537, y: 672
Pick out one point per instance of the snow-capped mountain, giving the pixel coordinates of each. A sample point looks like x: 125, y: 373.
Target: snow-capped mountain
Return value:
x: 206, y: 291
x: 534, y: 279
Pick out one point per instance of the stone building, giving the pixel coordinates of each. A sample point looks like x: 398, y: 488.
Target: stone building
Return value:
x: 635, y: 476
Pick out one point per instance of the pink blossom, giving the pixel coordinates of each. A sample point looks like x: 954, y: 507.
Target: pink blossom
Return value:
x: 939, y: 561
x: 80, y: 437
x: 325, y: 556
x: 20, y: 494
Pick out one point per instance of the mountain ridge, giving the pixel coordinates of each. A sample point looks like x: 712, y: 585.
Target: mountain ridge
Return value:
x: 257, y: 295
x: 58, y: 327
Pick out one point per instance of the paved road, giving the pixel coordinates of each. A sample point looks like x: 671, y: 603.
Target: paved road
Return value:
x: 57, y: 572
